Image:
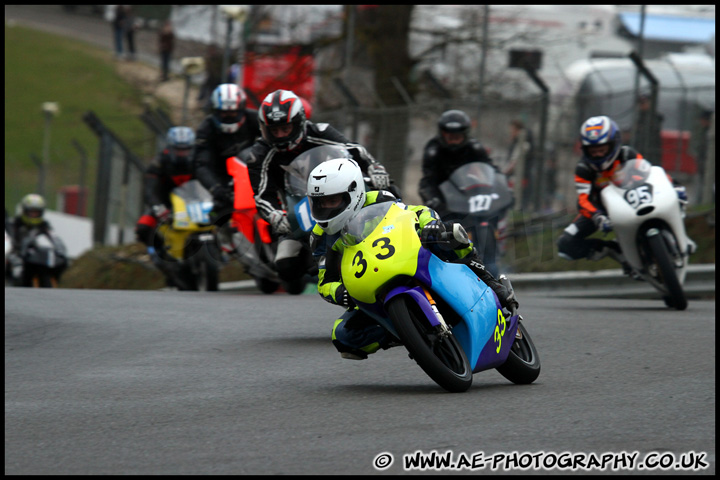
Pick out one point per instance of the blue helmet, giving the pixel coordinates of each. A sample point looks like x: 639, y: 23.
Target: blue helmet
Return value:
x: 599, y: 131
x: 180, y: 144
x: 181, y: 137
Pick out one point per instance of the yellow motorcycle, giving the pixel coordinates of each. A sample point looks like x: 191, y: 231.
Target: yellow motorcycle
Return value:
x: 191, y: 238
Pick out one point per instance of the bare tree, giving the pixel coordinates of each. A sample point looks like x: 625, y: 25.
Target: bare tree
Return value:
x: 384, y: 30
x: 382, y: 35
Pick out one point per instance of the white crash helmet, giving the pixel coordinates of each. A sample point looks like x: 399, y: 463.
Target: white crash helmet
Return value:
x: 228, y: 102
x: 336, y: 193
x: 32, y: 208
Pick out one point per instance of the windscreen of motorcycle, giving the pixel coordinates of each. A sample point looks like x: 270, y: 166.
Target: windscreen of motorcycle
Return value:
x: 298, y: 171
x: 632, y: 173
x: 380, y: 243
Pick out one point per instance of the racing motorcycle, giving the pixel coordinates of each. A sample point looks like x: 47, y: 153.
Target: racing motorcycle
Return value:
x: 191, y: 239
x: 40, y: 261
x: 254, y: 243
x: 478, y: 197
x: 296, y: 175
x: 647, y: 219
x: 450, y: 322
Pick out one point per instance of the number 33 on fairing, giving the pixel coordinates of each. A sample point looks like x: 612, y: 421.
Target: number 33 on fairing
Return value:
x: 498, y: 332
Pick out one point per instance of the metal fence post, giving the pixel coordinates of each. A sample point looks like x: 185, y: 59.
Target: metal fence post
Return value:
x: 708, y: 187
x: 102, y: 190
x: 83, y: 170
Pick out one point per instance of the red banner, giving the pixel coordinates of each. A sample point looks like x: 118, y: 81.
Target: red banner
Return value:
x: 290, y: 70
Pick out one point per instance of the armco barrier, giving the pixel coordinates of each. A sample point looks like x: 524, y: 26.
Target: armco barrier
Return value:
x: 699, y: 282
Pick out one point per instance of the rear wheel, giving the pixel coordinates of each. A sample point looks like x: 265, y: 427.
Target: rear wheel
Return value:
x: 46, y: 280
x: 667, y: 273
x: 523, y: 363
x: 439, y: 355
x: 295, y: 287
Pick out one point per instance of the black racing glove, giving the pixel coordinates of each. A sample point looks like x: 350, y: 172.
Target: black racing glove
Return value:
x: 222, y: 197
x: 432, y: 231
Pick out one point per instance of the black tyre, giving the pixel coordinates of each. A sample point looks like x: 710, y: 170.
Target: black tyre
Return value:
x: 265, y: 285
x: 441, y: 357
x: 46, y: 280
x: 666, y: 272
x: 523, y: 363
x: 295, y: 287
x: 185, y: 279
x: 208, y: 276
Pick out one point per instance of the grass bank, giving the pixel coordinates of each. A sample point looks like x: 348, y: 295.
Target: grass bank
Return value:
x: 42, y: 67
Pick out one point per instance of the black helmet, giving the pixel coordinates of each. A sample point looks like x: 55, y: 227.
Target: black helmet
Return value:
x: 453, y: 122
x: 283, y: 108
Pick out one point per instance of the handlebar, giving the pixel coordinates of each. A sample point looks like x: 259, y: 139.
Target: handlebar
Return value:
x: 446, y: 237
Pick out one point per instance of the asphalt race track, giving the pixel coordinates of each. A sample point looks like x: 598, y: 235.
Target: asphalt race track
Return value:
x: 128, y: 382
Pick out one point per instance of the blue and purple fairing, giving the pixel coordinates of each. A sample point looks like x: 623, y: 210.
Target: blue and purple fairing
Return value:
x: 484, y: 333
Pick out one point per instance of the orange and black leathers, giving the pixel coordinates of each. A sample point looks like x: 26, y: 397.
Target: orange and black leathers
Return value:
x: 590, y: 182
x: 573, y: 244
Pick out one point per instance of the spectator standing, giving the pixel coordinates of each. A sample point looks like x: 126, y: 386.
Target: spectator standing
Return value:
x: 519, y: 167
x: 213, y: 77
x: 118, y: 26
x: 166, y: 44
x: 130, y: 31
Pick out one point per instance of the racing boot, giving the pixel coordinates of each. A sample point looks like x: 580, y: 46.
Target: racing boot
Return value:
x: 358, y: 354
x: 611, y: 249
x: 505, y: 295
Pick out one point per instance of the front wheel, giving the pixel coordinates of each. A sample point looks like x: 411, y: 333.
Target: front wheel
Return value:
x: 208, y: 278
x: 201, y: 270
x: 523, y: 363
x: 440, y: 356
x: 265, y: 285
x: 666, y: 271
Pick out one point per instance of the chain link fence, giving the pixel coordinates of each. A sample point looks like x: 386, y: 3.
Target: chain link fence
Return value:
x: 396, y: 136
x: 118, y: 199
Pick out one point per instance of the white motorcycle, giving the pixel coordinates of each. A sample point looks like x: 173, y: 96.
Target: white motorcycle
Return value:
x: 647, y: 218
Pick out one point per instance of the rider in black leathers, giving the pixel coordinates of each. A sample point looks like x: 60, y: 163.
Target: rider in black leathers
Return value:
x: 30, y: 220
x: 230, y: 128
x: 451, y: 148
x: 172, y: 167
x: 286, y: 133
